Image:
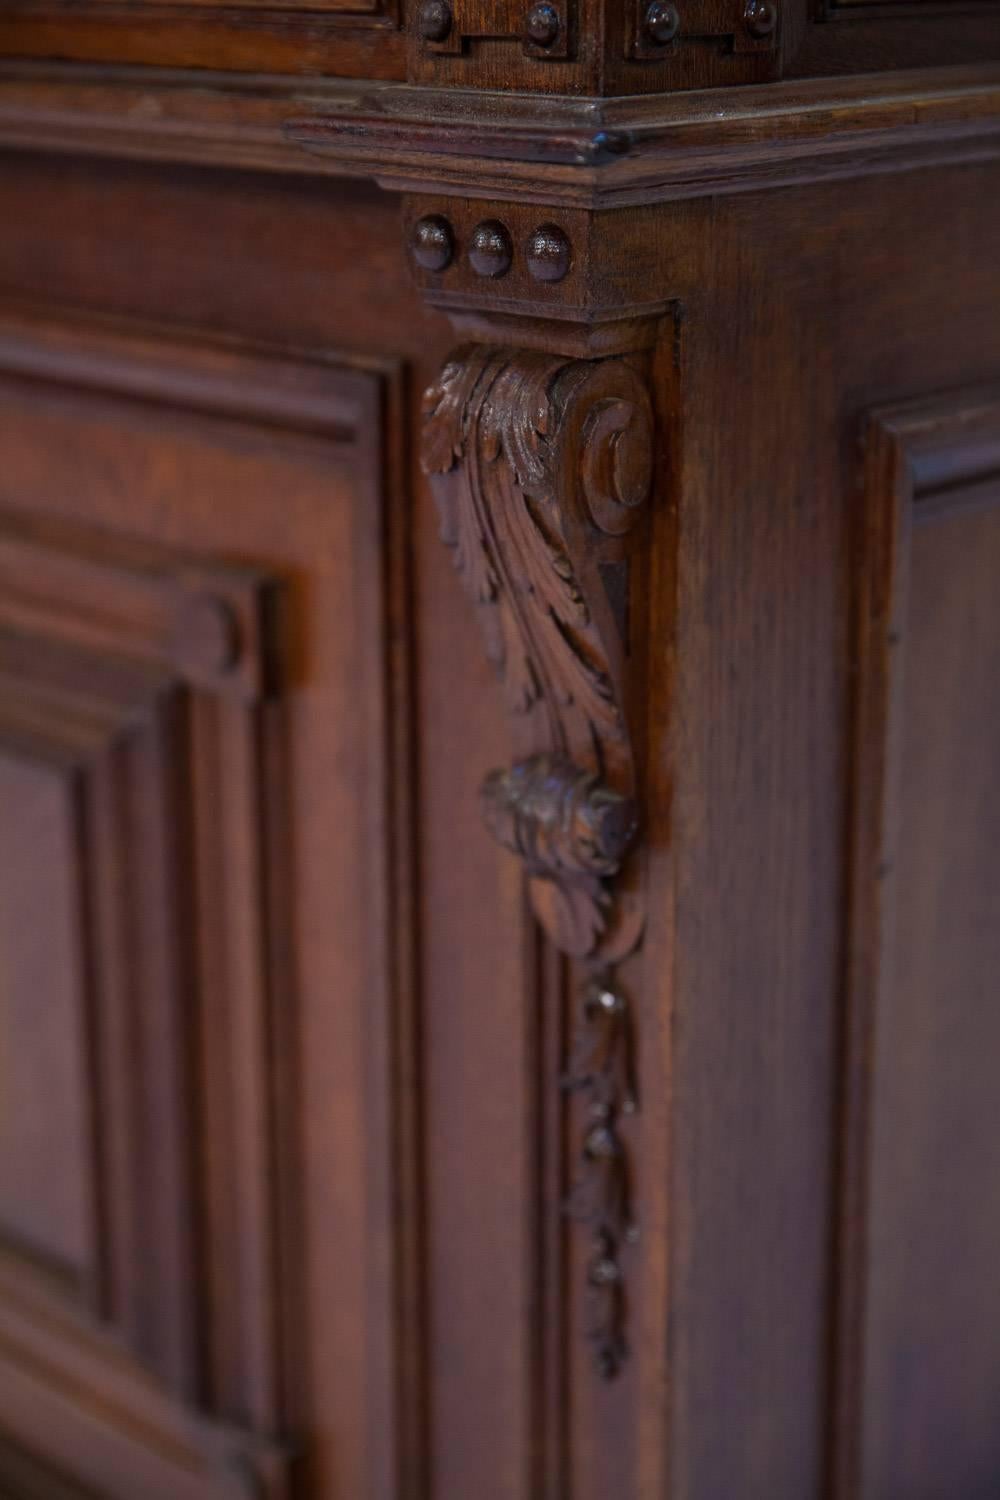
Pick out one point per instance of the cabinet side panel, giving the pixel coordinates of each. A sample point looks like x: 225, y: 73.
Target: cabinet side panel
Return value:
x: 919, y: 1351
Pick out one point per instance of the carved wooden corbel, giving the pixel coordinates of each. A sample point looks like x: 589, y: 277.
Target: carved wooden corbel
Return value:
x: 541, y: 466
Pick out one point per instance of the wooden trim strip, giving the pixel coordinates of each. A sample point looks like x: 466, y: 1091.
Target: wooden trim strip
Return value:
x: 586, y: 152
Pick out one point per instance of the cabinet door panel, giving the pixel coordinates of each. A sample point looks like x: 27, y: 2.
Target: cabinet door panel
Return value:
x: 193, y: 784
x: 44, y: 1161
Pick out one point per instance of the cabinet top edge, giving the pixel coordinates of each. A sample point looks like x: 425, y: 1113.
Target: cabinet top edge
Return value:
x: 598, y: 153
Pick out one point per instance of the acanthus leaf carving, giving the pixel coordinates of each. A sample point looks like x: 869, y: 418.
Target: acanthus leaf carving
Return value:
x: 540, y: 465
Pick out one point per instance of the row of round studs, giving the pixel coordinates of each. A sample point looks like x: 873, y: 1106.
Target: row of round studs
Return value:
x: 541, y: 25
x: 491, y: 249
x: 662, y: 21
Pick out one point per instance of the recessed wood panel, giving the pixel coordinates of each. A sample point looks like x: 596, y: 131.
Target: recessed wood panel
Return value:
x: 192, y: 566
x: 343, y: 38
x: 920, y: 1303
x: 351, y: 13
x: 846, y: 37
x: 46, y: 1171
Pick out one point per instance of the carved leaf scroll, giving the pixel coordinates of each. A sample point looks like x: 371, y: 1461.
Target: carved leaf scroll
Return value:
x: 540, y: 466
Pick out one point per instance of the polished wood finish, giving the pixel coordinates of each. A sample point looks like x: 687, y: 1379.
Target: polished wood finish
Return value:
x: 550, y: 579
x: 573, y: 420
x: 145, y: 693
x: 919, y: 1117
x: 592, y: 47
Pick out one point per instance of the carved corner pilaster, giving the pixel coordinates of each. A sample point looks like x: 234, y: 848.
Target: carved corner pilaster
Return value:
x: 538, y: 444
x: 541, y: 466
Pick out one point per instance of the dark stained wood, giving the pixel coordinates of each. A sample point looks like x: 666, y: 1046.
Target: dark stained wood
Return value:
x: 24, y: 1478
x: 870, y: 38
x: 331, y: 1176
x: 45, y: 1172
x: 316, y: 37
x: 188, y: 994
x: 629, y: 152
x: 564, y: 151
x: 593, y: 47
x: 759, y: 818
x: 576, y: 443
x: 917, y: 1352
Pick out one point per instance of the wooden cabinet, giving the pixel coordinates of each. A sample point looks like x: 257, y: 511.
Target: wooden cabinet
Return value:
x: 499, y: 717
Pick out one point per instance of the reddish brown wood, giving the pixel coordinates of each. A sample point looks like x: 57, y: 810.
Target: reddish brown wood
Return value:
x: 563, y: 47
x: 46, y: 1179
x: 316, y: 37
x: 308, y: 1105
x: 551, y: 151
x: 146, y: 672
x: 918, y: 1113
x: 542, y: 471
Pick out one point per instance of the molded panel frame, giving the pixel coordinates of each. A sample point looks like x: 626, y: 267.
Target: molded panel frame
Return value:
x: 922, y: 459
x: 154, y: 681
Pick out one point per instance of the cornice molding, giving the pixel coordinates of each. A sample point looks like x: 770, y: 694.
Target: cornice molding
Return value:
x: 578, y: 152
x: 617, y: 152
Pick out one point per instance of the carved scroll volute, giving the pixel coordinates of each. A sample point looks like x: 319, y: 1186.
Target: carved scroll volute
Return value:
x: 541, y: 467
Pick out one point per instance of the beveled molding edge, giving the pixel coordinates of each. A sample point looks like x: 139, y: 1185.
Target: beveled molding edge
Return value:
x: 622, y: 151
x: 586, y: 152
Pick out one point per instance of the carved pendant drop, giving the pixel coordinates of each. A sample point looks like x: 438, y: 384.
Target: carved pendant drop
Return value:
x: 600, y: 1071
